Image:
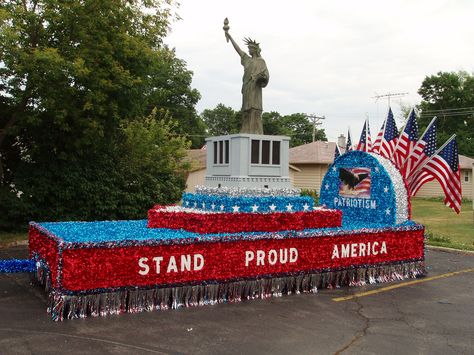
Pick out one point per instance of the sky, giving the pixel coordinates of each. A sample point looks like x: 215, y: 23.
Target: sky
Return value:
x: 328, y: 58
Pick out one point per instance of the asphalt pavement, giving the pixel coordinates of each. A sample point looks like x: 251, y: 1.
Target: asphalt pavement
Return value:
x: 435, y: 316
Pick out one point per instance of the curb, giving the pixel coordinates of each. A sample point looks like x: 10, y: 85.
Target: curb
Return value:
x: 450, y: 250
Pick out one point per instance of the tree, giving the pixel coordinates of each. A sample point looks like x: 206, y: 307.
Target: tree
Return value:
x: 221, y: 120
x: 450, y: 97
x: 73, y: 75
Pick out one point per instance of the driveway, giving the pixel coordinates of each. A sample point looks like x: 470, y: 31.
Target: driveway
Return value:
x: 435, y: 316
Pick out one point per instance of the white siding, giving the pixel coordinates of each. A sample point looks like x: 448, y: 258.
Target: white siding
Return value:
x: 196, y: 177
x: 433, y: 188
x: 310, y: 177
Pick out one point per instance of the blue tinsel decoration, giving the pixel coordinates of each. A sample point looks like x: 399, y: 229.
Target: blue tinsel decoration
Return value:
x: 17, y: 265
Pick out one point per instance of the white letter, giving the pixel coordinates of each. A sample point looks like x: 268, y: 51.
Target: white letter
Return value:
x: 172, y: 265
x: 362, y: 249
x: 375, y: 252
x: 368, y: 249
x: 384, y: 248
x: 157, y: 260
x: 335, y: 252
x: 285, y: 259
x: 272, y: 257
x: 373, y: 204
x: 336, y: 201
x: 249, y: 256
x: 142, y: 263
x: 293, y: 255
x: 354, y: 250
x: 345, y: 250
x: 186, y: 262
x: 198, y: 266
x: 260, y: 257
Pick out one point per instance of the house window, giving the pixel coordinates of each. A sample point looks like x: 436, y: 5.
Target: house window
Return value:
x: 265, y: 152
x: 466, y: 176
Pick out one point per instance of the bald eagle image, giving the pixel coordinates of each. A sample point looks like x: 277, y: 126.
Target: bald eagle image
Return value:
x: 350, y: 179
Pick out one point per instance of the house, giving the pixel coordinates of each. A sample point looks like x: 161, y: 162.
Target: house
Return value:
x: 309, y: 163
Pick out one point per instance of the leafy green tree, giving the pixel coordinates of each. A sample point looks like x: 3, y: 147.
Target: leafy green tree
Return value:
x: 450, y: 97
x: 74, y: 78
x: 221, y: 120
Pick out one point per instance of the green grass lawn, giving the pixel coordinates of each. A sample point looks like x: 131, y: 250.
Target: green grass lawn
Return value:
x: 443, y: 225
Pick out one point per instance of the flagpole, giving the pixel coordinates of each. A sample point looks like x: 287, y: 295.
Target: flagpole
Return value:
x: 437, y: 151
x: 367, y: 135
x: 399, y: 134
x: 423, y: 135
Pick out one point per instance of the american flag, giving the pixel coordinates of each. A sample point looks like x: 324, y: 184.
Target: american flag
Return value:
x: 378, y: 140
x: 444, y: 167
x: 390, y: 136
x: 362, y: 188
x: 422, y: 151
x: 422, y: 178
x: 365, y: 141
x: 407, y: 140
x: 349, y: 141
x: 337, y: 152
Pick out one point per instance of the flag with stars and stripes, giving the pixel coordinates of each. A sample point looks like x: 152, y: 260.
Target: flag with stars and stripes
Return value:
x: 444, y: 167
x: 349, y: 141
x: 406, y: 141
x: 337, y: 152
x: 378, y: 140
x: 365, y: 141
x: 390, y: 136
x: 422, y: 151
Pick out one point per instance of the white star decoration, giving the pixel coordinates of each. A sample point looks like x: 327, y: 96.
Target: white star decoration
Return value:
x: 213, y: 206
x: 272, y: 207
x: 222, y: 207
x: 289, y: 207
x: 377, y: 169
x: 306, y: 207
x: 195, y: 204
x: 203, y: 205
x: 334, y: 169
x: 254, y: 208
x: 326, y: 186
x: 187, y: 203
x: 235, y: 208
x: 385, y: 189
x: 387, y: 211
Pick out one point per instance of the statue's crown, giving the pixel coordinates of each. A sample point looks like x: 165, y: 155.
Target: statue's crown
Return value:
x: 251, y: 43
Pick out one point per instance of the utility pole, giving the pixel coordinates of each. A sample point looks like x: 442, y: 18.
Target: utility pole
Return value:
x: 389, y: 95
x: 316, y: 122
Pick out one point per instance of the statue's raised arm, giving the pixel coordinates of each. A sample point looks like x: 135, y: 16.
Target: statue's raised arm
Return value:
x: 255, y: 78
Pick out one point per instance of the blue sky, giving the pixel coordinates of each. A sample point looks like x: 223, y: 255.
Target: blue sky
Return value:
x: 326, y: 58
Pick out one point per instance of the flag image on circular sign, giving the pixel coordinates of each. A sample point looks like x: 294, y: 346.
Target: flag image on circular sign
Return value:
x: 367, y: 188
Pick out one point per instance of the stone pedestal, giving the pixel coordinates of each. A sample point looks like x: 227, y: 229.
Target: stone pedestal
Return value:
x: 248, y: 160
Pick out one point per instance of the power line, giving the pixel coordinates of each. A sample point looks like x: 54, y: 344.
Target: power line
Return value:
x: 316, y: 122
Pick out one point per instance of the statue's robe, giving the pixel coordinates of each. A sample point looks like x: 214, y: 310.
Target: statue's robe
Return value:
x: 255, y: 78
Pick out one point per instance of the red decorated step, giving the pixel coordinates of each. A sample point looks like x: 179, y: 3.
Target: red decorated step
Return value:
x: 206, y: 222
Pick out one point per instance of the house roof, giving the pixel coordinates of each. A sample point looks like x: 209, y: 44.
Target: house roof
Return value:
x: 465, y: 162
x: 197, y: 158
x: 313, y: 153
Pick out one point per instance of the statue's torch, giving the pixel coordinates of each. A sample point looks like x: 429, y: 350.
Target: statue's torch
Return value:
x: 226, y: 28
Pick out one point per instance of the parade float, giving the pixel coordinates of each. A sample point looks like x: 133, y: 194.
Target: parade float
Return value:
x: 247, y: 233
